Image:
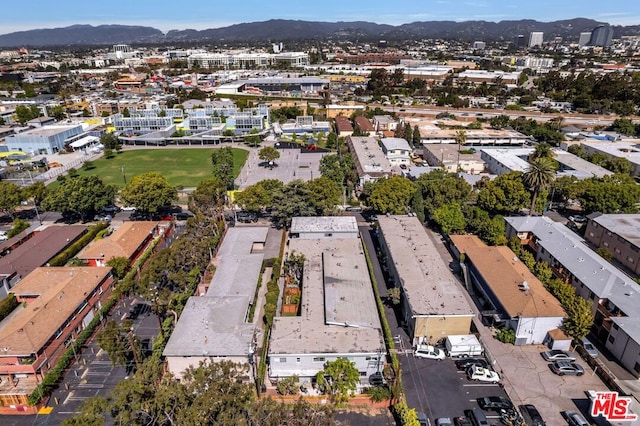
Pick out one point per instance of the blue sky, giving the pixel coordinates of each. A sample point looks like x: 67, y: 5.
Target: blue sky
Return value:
x: 198, y: 14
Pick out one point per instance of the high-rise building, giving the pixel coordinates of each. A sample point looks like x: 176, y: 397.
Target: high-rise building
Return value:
x: 479, y: 45
x: 584, y: 39
x: 536, y: 38
x: 519, y: 41
x: 601, y: 36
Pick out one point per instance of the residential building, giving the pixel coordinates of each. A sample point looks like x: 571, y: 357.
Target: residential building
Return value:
x: 58, y: 303
x: 244, y: 60
x: 334, y: 110
x: 484, y: 137
x: 334, y: 227
x: 501, y: 161
x: 128, y: 241
x: 371, y: 162
x: 613, y: 293
x: 303, y: 125
x: 536, y: 38
x: 627, y: 149
x: 397, y: 150
x: 433, y: 304
x: 44, y: 140
x: 216, y: 327
x: 338, y: 315
x: 513, y: 296
x: 344, y: 127
x: 384, y: 123
x: 619, y: 235
x: 453, y: 157
x: 34, y: 250
x: 364, y: 125
x: 41, y: 121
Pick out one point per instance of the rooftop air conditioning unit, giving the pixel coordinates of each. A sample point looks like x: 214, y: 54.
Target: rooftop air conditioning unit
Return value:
x: 523, y: 286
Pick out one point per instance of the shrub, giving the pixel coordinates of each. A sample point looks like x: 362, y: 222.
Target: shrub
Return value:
x: 7, y: 305
x: 19, y: 225
x: 379, y: 393
x: 288, y: 385
x: 62, y: 258
x: 506, y: 335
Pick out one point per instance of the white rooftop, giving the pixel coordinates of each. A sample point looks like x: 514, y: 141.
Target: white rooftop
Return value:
x: 428, y: 282
x: 626, y: 226
x: 369, y: 155
x: 338, y: 313
x: 395, y: 143
x: 323, y: 224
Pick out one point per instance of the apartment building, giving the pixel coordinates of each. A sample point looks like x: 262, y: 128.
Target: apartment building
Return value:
x: 619, y: 235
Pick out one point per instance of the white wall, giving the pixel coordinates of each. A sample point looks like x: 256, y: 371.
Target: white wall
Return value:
x: 534, y: 330
x: 308, y: 365
x: 178, y: 364
x: 625, y: 349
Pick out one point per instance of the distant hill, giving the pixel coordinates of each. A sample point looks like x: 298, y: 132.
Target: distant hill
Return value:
x: 283, y: 30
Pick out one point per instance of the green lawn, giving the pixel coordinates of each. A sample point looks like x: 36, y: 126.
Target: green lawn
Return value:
x: 181, y: 167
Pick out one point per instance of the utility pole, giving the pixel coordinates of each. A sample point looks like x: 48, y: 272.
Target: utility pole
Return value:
x: 124, y: 177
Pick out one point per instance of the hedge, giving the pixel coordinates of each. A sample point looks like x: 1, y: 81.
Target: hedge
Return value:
x: 63, y: 257
x: 270, y: 308
x: 7, y: 305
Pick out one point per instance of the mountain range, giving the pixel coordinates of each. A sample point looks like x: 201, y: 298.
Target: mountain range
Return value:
x: 292, y: 30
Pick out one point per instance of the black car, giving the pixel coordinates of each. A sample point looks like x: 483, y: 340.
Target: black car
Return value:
x: 182, y: 215
x: 463, y: 364
x: 531, y: 415
x: 376, y: 379
x: 495, y: 403
x: 246, y: 217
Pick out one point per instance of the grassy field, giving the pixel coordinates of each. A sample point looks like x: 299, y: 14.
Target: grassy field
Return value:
x: 181, y: 167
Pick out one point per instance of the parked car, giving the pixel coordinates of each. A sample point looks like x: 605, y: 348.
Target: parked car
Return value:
x: 429, y: 352
x: 376, y: 379
x: 462, y: 421
x: 3, y: 236
x: 463, y: 364
x: 110, y: 209
x: 562, y: 368
x: 578, y: 219
x: 444, y: 421
x: 102, y: 217
x: 588, y: 346
x: 531, y: 415
x: 480, y: 374
x: 423, y: 420
x: 182, y: 215
x: 574, y: 419
x: 558, y: 355
x: 128, y: 208
x: 246, y: 217
x: 495, y: 403
x: 353, y: 209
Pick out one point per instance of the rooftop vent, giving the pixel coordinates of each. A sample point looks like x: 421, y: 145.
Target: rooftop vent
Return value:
x: 523, y: 286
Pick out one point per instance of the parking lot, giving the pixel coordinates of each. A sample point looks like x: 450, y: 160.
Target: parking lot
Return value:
x: 291, y: 165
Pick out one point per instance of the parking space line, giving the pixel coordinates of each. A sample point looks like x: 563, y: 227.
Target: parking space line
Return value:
x: 480, y: 384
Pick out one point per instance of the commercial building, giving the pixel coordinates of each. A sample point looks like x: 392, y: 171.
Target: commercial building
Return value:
x: 304, y: 125
x: 128, y: 241
x: 619, y: 234
x: 244, y: 60
x: 338, y: 313
x: 35, y: 250
x: 44, y: 140
x: 584, y: 39
x: 371, y: 162
x: 57, y: 304
x: 614, y: 294
x: 433, y: 303
x: 335, y: 110
x: 601, y: 36
x: 484, y: 137
x: 536, y: 38
x: 490, y: 77
x: 501, y: 161
x: 513, y: 296
x: 334, y: 227
x: 216, y: 327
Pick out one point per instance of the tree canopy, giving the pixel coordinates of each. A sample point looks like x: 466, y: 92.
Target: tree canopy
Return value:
x: 84, y: 195
x: 338, y: 379
x: 10, y: 196
x: 269, y: 154
x: 208, y: 197
x: 506, y: 194
x: 392, y: 195
x: 148, y: 192
x: 222, y: 161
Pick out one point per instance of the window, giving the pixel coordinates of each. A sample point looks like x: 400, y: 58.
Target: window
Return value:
x: 319, y: 359
x: 328, y: 235
x: 611, y: 339
x: 615, y: 326
x: 298, y: 360
x: 283, y: 360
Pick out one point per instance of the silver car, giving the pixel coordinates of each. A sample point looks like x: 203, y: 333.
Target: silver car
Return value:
x: 558, y: 355
x: 562, y: 368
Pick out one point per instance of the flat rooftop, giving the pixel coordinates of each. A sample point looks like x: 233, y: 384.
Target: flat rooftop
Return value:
x: 448, y: 153
x: 428, y: 282
x: 626, y: 226
x: 339, y: 314
x: 369, y: 155
x: 627, y: 149
x: 47, y: 131
x: 215, y: 324
x: 322, y: 224
x: 38, y: 249
x: 504, y: 273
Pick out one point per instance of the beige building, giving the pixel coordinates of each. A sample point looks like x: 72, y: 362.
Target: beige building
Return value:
x: 433, y: 301
x: 619, y: 234
x: 345, y: 110
x: 446, y: 156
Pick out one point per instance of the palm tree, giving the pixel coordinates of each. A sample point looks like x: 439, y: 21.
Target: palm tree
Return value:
x: 461, y: 139
x: 542, y: 150
x: 539, y: 176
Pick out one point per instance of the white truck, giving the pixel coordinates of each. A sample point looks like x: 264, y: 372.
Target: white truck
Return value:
x: 463, y: 345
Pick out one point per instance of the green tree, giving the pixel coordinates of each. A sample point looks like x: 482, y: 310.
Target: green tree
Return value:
x: 416, y: 138
x: 114, y: 339
x: 579, y: 318
x: 331, y: 168
x: 450, y: 218
x: 439, y: 188
x: 408, y: 132
x: 538, y: 176
x: 109, y: 140
x: 292, y: 200
x: 392, y: 195
x: 19, y: 225
x: 148, y: 192
x: 253, y: 139
x: 37, y: 191
x: 120, y: 266
x: 506, y: 194
x: 84, y: 195
x: 324, y: 195
x: 126, y: 113
x: 208, y: 197
x: 58, y: 113
x: 222, y: 161
x: 269, y: 155
x: 92, y: 413
x: 461, y: 139
x: 10, y: 196
x: 338, y: 379
x: 542, y: 150
x: 26, y: 113
x: 610, y: 194
x: 254, y: 198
